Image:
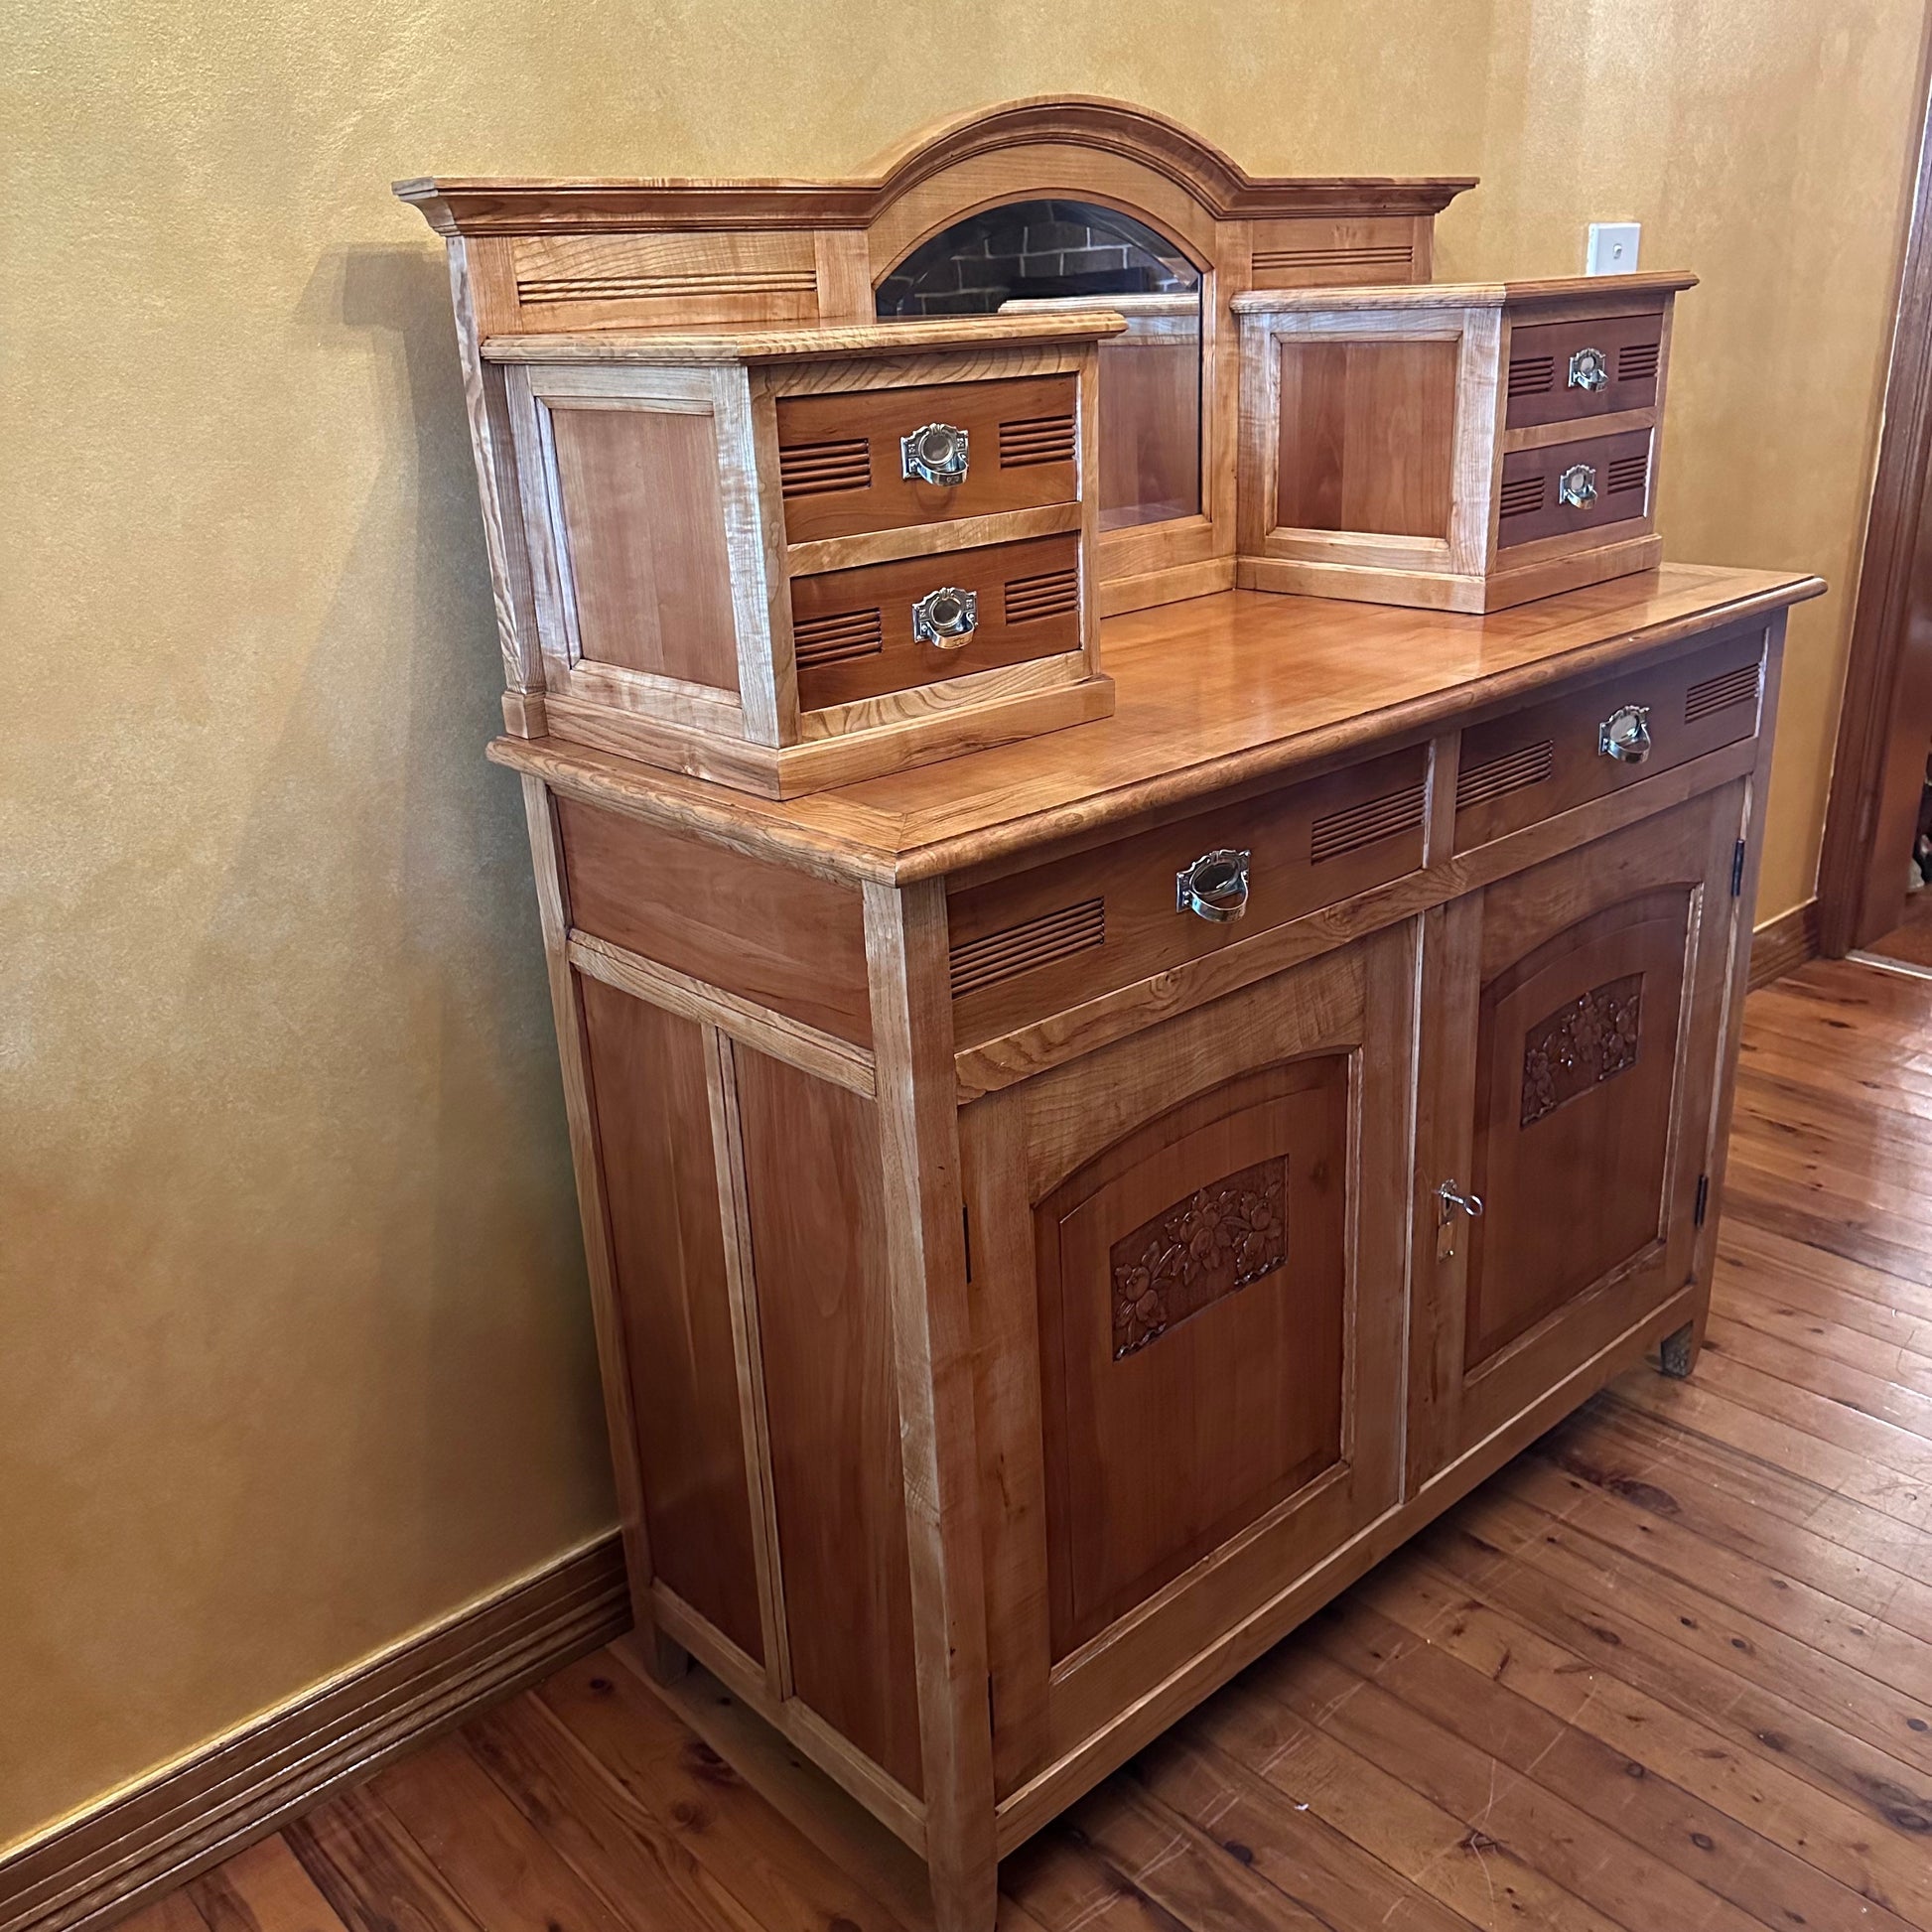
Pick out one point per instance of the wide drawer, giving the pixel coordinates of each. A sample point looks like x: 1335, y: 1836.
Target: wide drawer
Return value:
x: 1037, y: 942
x: 1530, y: 765
x: 1550, y: 365
x: 842, y: 469
x: 1567, y: 488
x: 854, y: 631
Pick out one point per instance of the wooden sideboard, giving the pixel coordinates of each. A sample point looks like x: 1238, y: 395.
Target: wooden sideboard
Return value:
x: 1025, y: 1292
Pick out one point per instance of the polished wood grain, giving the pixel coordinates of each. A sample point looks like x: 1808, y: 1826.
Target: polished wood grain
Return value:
x: 1660, y: 1671
x: 1366, y: 435
x: 647, y: 541
x: 1192, y: 718
x: 817, y: 1250
x: 664, y: 348
x: 779, y: 938
x: 650, y: 1082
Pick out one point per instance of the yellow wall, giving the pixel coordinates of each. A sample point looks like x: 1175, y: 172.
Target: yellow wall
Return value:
x: 293, y: 1346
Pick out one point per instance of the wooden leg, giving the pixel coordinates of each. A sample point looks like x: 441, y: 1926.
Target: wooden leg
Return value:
x: 1677, y: 1353
x: 663, y: 1657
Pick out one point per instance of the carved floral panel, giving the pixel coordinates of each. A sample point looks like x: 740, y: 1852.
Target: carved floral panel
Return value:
x: 1581, y: 1045
x: 1188, y: 1256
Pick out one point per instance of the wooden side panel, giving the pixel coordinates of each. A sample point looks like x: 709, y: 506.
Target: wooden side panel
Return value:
x: 1366, y: 435
x: 1321, y: 251
x: 789, y: 940
x: 1150, y: 422
x: 1191, y: 1304
x: 853, y: 628
x: 644, y: 529
x: 653, y: 1127
x: 657, y: 281
x: 813, y: 1190
x: 840, y: 465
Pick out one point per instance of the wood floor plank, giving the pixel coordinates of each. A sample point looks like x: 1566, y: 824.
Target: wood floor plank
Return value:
x: 1888, y: 1361
x: 263, y: 1889
x: 1895, y: 1425
x: 374, y: 1876
x: 1487, y: 1882
x: 1765, y: 1593
x: 173, y: 1911
x: 1630, y: 1796
x: 1720, y: 1761
x: 1858, y: 1294
x: 610, y: 1840
x: 1827, y: 1755
x: 506, y: 1872
x: 1296, y: 1851
x: 1070, y: 1887
x: 1684, y: 1485
x: 1621, y: 1878
x: 760, y: 1859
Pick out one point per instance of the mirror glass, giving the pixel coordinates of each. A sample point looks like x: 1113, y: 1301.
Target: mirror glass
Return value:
x: 1040, y: 255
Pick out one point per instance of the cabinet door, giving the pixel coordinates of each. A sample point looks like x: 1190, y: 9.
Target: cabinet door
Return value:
x: 1573, y: 1026
x: 1188, y: 1254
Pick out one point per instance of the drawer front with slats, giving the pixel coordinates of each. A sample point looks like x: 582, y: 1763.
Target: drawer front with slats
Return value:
x: 854, y: 631
x: 1567, y: 489
x: 1530, y: 765
x: 1554, y: 369
x: 1037, y: 942
x: 842, y: 465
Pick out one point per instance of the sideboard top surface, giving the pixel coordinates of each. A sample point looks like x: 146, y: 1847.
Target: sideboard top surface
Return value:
x: 1215, y: 692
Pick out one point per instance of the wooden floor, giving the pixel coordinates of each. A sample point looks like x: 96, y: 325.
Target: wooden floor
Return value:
x: 1668, y: 1672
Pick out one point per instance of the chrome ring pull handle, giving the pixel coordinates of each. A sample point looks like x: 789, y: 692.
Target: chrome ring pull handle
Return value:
x: 946, y: 619
x: 937, y: 454
x: 1453, y: 1201
x: 1576, y: 486
x: 1590, y: 368
x: 1214, y: 887
x: 1625, y: 734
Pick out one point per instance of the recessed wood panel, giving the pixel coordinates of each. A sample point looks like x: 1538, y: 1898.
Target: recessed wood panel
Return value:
x: 841, y: 471
x: 1320, y: 251
x: 853, y: 628
x: 789, y: 940
x: 815, y: 1195
x: 1366, y: 434
x: 1576, y: 1075
x: 645, y: 535
x: 1150, y: 422
x: 667, y: 1247
x: 1538, y: 376
x: 1192, y: 1288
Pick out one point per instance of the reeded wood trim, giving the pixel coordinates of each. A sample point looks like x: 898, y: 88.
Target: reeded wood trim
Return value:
x: 1781, y: 945
x: 146, y: 1841
x: 468, y: 205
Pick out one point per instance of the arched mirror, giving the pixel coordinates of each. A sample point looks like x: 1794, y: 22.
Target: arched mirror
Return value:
x: 1059, y: 254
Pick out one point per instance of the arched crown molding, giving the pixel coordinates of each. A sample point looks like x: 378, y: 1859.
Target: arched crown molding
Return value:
x: 477, y: 205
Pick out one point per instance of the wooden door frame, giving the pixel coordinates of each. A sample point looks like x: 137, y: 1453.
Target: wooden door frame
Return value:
x: 1886, y: 718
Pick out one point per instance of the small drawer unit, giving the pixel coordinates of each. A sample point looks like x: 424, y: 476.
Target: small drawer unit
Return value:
x: 793, y: 559
x: 1462, y: 448
x: 1530, y: 765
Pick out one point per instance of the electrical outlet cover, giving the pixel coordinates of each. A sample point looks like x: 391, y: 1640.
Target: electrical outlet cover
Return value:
x: 1612, y: 248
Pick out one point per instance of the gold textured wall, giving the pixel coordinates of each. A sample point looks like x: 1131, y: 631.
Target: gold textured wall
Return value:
x: 294, y: 1353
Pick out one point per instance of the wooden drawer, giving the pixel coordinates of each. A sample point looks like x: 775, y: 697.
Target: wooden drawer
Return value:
x: 1539, y: 389
x: 1533, y: 763
x: 852, y: 629
x: 1039, y: 942
x: 1533, y: 501
x: 840, y: 471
